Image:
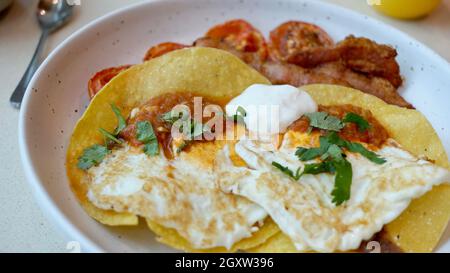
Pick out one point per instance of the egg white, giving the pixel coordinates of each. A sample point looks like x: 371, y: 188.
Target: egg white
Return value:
x: 304, y: 210
x: 181, y: 194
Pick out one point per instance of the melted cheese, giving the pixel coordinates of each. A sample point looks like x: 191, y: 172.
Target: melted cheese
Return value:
x: 180, y: 194
x: 303, y: 209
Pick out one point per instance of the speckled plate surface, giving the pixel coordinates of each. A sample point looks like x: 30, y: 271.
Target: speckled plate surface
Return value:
x: 57, y: 95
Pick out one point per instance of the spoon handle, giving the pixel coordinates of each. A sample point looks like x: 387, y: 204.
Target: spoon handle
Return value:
x: 17, y: 96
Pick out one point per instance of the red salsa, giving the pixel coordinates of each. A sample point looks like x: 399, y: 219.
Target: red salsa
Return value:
x: 376, y: 135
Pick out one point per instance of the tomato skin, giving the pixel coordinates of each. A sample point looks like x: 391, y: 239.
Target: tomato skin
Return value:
x: 241, y: 35
x: 101, y: 78
x: 294, y: 36
x: 162, y: 49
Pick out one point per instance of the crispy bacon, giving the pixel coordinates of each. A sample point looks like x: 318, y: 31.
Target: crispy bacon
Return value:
x: 359, y: 54
x: 284, y: 73
x: 329, y: 73
x: 377, y: 86
x: 333, y: 73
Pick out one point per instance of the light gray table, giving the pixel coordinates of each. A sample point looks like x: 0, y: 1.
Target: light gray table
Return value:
x: 23, y: 226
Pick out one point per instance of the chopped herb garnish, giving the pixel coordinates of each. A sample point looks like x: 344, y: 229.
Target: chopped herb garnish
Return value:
x: 342, y: 181
x: 324, y: 121
x: 287, y: 171
x: 120, y: 120
x: 170, y: 117
x: 354, y: 147
x: 316, y: 168
x: 92, y: 156
x: 334, y: 152
x: 95, y: 154
x: 305, y: 154
x: 363, y: 125
x: 109, y: 137
x: 240, y: 115
x: 197, y: 129
x: 146, y: 135
x: 359, y: 148
x: 241, y: 111
x: 333, y: 161
x: 144, y: 132
x: 151, y: 148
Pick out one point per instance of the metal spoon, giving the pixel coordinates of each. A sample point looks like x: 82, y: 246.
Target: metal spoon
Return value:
x: 51, y: 15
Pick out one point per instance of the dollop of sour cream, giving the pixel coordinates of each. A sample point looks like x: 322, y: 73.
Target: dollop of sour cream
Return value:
x: 270, y: 109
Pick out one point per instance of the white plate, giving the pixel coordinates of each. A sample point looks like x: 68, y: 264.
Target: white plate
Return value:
x: 57, y: 95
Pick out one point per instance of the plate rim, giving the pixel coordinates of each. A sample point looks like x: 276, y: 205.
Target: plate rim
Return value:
x: 45, y: 202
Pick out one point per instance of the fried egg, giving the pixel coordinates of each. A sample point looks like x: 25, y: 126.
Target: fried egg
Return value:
x: 181, y: 193
x: 304, y: 210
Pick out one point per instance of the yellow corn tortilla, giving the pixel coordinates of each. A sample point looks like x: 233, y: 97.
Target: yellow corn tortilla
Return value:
x: 203, y: 71
x: 171, y: 238
x: 420, y: 227
x: 220, y: 75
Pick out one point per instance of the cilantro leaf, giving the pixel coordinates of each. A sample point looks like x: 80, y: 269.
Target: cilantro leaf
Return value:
x: 146, y: 135
x: 334, y: 138
x: 109, y: 137
x: 305, y: 154
x: 342, y: 181
x: 152, y: 148
x: 335, y: 152
x: 354, y: 147
x: 170, y: 117
x: 359, y: 148
x: 92, y: 156
x: 197, y: 129
x: 240, y: 115
x: 287, y: 171
x: 316, y: 168
x: 238, y: 119
x: 144, y: 132
x: 331, y: 139
x: 241, y: 111
x: 120, y: 119
x: 324, y: 121
x: 363, y: 125
x: 167, y: 117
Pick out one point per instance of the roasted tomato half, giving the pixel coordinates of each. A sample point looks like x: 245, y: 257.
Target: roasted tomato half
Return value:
x: 162, y: 49
x: 295, y: 36
x: 241, y: 35
x: 101, y: 78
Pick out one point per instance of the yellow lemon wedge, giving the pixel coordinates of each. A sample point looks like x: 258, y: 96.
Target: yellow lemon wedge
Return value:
x: 406, y: 9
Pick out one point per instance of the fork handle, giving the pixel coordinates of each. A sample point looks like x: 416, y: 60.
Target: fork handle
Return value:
x: 17, y: 96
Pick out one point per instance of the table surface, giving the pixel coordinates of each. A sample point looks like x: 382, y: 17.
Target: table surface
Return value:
x: 23, y: 226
